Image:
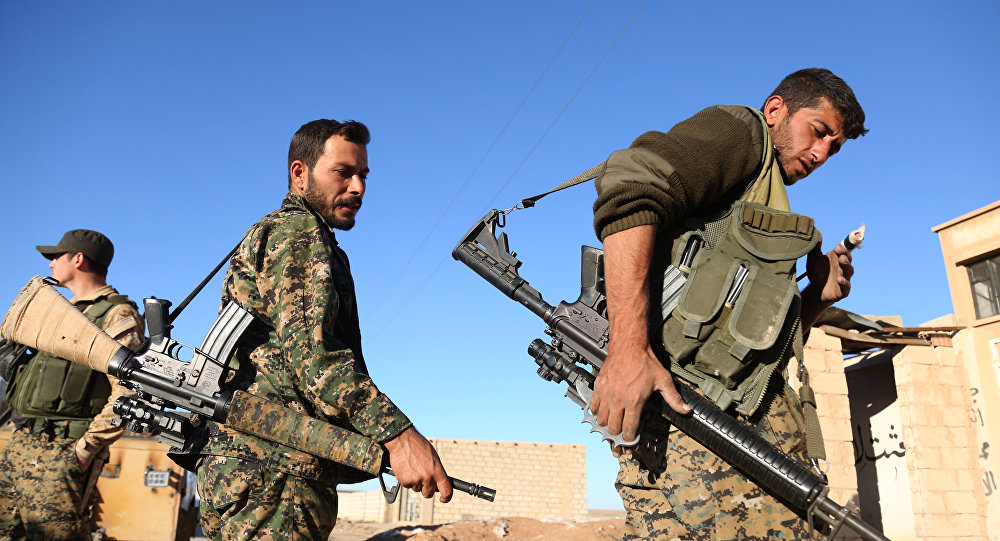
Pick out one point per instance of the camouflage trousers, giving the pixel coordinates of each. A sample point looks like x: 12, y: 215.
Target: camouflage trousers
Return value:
x: 41, y: 486
x: 675, y: 489
x: 242, y: 500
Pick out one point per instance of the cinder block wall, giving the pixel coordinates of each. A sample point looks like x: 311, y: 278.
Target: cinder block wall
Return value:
x: 941, y: 444
x: 937, y: 465
x: 535, y: 480
x: 361, y: 505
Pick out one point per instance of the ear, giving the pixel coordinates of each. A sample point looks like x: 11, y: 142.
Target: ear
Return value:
x: 298, y: 172
x: 78, y: 261
x: 775, y: 110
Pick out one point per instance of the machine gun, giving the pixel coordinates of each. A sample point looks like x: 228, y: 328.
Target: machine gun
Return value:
x: 42, y: 319
x: 579, y: 332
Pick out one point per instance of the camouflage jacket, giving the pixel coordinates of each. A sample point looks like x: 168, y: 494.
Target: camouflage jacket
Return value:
x: 304, y: 350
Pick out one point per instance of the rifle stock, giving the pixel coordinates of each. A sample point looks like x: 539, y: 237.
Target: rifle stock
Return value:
x: 580, y: 337
x: 42, y: 319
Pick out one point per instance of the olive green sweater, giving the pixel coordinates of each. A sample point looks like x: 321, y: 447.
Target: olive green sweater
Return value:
x: 699, y: 164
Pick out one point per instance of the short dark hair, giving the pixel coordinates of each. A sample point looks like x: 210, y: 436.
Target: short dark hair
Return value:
x: 307, y: 143
x: 806, y: 87
x: 95, y: 267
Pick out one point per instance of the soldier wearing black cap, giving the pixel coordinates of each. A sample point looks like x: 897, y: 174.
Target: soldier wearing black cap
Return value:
x: 64, y: 409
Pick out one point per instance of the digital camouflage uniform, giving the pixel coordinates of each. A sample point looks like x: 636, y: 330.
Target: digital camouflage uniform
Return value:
x: 304, y: 351
x: 41, y: 485
x: 672, y: 487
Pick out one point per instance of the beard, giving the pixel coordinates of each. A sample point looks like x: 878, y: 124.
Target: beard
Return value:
x: 783, y: 148
x: 326, y: 209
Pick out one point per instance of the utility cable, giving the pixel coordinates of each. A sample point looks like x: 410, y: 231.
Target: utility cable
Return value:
x: 482, y: 160
x: 489, y: 205
x: 417, y: 290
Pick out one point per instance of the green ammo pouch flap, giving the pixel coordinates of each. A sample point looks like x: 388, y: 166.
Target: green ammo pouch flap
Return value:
x: 701, y: 301
x: 729, y: 352
x: 770, y: 241
x: 759, y: 313
x: 770, y: 235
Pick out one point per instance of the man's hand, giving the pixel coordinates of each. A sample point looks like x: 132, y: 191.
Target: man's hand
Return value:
x: 631, y: 372
x: 832, y: 271
x: 416, y: 465
x: 625, y: 382
x: 829, y: 281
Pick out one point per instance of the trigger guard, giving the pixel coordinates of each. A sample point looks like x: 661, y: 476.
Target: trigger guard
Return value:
x: 388, y: 494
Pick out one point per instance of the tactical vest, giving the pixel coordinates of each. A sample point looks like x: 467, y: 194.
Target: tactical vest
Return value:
x: 737, y: 314
x: 56, y: 389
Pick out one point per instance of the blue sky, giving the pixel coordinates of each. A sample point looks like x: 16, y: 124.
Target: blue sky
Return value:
x: 166, y: 126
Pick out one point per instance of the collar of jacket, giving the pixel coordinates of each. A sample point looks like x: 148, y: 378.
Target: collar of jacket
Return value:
x: 94, y: 295
x: 294, y: 201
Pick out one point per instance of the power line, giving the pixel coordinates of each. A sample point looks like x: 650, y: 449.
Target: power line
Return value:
x: 565, y: 107
x: 475, y: 169
x: 489, y: 205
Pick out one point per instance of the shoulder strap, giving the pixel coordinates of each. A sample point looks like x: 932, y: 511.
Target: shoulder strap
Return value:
x: 100, y: 307
x: 589, y: 174
x: 180, y: 307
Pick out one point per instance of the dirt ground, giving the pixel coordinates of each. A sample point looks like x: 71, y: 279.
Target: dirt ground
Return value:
x: 507, y: 529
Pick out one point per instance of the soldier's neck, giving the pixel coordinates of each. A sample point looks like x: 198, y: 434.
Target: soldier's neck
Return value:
x: 84, y: 284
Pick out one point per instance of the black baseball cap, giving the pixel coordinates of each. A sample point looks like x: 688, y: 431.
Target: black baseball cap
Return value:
x: 92, y: 244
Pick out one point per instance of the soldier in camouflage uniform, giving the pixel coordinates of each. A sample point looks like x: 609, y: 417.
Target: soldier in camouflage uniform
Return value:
x: 64, y: 410
x: 672, y: 487
x: 304, y: 351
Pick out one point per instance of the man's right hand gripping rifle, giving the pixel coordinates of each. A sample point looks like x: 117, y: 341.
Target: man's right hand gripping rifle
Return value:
x: 631, y: 371
x: 41, y: 318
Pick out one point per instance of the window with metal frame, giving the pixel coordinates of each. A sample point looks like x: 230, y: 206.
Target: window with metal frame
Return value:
x: 984, y: 277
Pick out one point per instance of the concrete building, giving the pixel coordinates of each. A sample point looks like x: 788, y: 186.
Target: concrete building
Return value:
x: 534, y: 480
x: 909, y: 414
x: 971, y: 248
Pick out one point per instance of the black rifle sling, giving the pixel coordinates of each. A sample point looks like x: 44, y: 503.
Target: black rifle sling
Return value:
x: 177, y: 311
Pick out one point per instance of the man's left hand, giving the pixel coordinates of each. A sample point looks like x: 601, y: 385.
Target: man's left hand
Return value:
x: 416, y: 465
x: 829, y: 281
x: 830, y: 272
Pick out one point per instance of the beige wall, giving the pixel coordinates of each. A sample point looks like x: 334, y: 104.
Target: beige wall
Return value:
x: 535, y: 480
x: 900, y: 438
x: 964, y: 240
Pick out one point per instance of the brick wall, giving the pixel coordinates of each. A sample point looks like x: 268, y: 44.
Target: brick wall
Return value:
x: 361, y: 505
x: 899, y: 439
x: 941, y: 444
x: 535, y: 480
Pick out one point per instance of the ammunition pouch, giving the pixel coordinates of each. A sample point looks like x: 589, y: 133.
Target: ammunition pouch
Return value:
x: 738, y: 310
x: 70, y: 429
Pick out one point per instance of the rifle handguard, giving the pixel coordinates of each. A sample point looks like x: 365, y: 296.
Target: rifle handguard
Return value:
x: 273, y: 422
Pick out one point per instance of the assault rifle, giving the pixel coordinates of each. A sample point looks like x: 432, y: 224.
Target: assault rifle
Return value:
x: 42, y: 319
x: 579, y: 332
